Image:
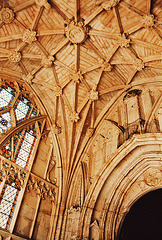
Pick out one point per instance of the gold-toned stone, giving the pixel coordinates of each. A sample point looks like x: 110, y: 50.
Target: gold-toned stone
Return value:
x: 148, y: 20
x: 93, y: 95
x: 29, y: 36
x: 57, y: 90
x: 76, y: 32
x: 43, y: 3
x: 76, y: 77
x: 123, y: 41
x: 139, y: 64
x: 47, y: 61
x: 74, y: 117
x: 6, y: 15
x: 14, y: 56
x: 107, y: 5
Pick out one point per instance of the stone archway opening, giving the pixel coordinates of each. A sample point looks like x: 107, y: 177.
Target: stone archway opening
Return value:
x: 144, y: 220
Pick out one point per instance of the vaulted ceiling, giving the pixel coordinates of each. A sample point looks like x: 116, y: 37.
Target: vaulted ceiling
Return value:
x: 78, y: 56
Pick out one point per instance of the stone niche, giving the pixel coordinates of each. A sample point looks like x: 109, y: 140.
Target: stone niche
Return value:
x: 133, y: 121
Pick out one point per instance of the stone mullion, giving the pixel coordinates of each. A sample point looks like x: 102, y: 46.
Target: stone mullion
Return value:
x: 20, y: 197
x: 18, y: 143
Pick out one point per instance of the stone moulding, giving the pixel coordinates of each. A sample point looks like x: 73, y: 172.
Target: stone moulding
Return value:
x: 138, y: 158
x: 42, y: 188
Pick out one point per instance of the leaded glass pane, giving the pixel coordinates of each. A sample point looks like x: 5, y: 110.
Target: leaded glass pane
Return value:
x: 5, y: 122
x: 7, y: 203
x: 20, y: 162
x: 5, y: 98
x: 3, y: 220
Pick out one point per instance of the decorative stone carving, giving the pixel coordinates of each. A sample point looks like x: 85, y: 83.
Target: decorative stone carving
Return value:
x: 123, y: 41
x: 6, y: 15
x: 139, y: 64
x: 74, y: 117
x: 47, y: 61
x: 90, y: 132
x: 57, y: 129
x: 43, y: 3
x: 14, y: 56
x: 12, y: 174
x: 76, y: 32
x: 153, y: 177
x: 50, y: 168
x: 76, y: 77
x: 106, y: 67
x: 28, y: 78
x: 93, y: 95
x: 148, y: 21
x: 107, y: 5
x: 57, y: 90
x: 29, y: 36
x: 41, y: 188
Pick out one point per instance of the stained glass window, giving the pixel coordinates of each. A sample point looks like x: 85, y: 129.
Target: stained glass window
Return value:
x: 15, y: 107
x: 6, y: 96
x: 7, y: 204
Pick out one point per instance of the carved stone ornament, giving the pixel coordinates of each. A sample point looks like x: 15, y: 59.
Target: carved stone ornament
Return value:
x: 41, y: 188
x: 148, y: 21
x: 123, y: 41
x: 6, y: 15
x: 93, y: 95
x: 106, y: 67
x: 43, y: 3
x: 74, y: 117
x: 14, y: 57
x: 153, y: 177
x: 107, y: 5
x: 76, y: 77
x: 57, y: 90
x: 52, y: 165
x: 90, y: 132
x: 13, y: 175
x: 29, y: 36
x: 76, y: 32
x: 47, y: 61
x: 57, y: 129
x: 139, y: 64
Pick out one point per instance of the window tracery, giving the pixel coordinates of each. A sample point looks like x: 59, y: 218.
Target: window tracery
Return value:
x: 17, y: 150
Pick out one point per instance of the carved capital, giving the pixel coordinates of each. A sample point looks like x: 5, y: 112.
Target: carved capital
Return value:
x: 76, y: 32
x: 6, y: 15
x: 43, y: 3
x: 29, y: 36
x: 47, y: 61
x: 148, y: 20
x: 74, y: 117
x: 14, y: 56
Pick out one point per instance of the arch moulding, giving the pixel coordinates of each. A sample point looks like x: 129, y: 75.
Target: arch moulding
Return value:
x: 134, y: 170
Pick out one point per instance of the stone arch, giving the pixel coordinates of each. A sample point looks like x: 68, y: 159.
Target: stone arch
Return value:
x: 134, y: 170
